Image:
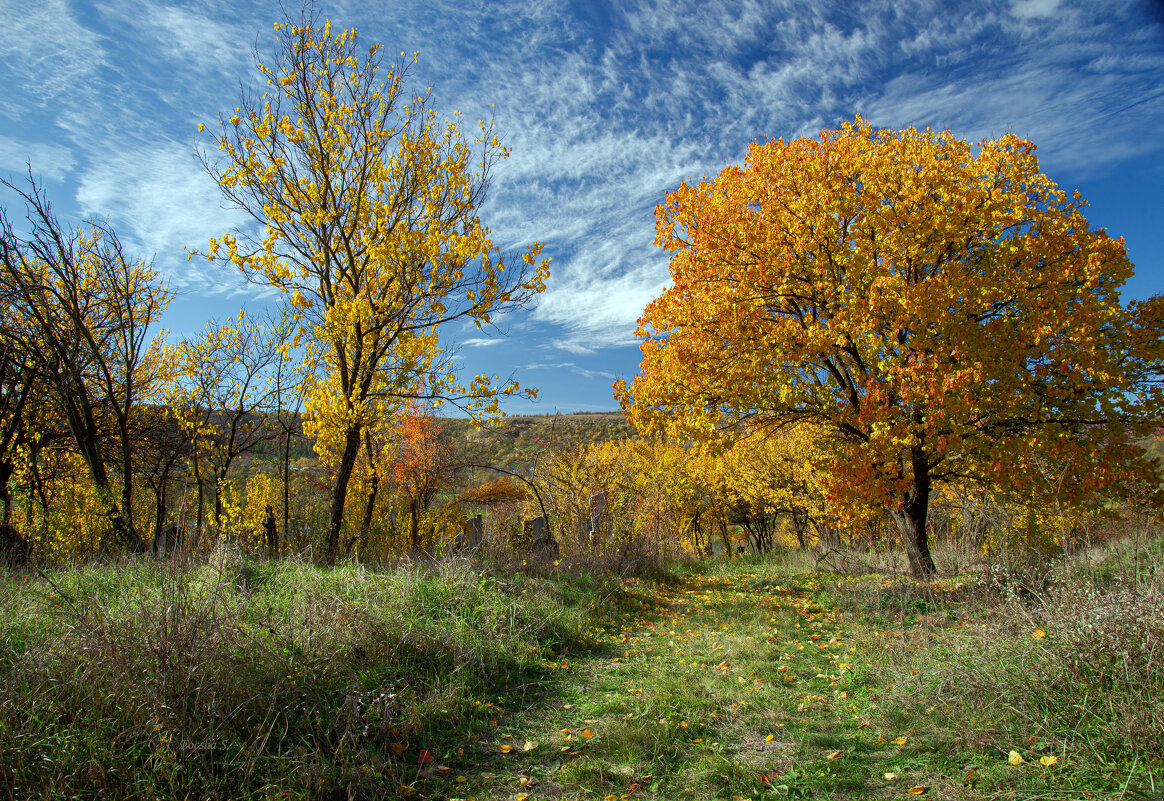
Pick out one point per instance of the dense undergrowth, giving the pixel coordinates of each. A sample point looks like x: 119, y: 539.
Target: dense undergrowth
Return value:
x: 760, y: 677
x: 245, y: 680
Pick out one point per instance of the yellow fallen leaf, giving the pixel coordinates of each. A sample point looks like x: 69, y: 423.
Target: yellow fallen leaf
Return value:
x: 770, y: 738
x: 918, y: 790
x: 1048, y: 761
x: 507, y: 748
x: 588, y: 733
x: 901, y: 741
x: 890, y: 777
x: 1015, y: 758
x: 1038, y: 634
x: 834, y: 755
x: 523, y: 797
x: 461, y: 780
x: 529, y: 745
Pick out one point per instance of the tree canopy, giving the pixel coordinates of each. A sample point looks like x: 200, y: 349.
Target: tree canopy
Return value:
x: 368, y: 207
x: 943, y: 309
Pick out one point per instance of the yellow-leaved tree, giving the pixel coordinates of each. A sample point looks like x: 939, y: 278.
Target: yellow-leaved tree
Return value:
x: 942, y: 309
x: 367, y: 207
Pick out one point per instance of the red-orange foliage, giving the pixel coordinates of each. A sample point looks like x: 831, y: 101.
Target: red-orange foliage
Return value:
x: 943, y: 309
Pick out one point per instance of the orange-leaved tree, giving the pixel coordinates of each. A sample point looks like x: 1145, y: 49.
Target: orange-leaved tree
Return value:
x: 425, y: 464
x: 942, y: 308
x: 367, y: 207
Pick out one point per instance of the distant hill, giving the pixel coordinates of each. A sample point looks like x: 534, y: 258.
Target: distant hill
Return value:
x: 516, y: 444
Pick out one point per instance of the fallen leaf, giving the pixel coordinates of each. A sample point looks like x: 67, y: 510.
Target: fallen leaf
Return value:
x: 396, y: 748
x: 1015, y: 758
x: 507, y: 748
x: 770, y: 738
x: 1048, y: 761
x: 424, y: 757
x: 918, y: 790
x: 901, y: 741
x: 588, y: 733
x: 1038, y: 634
x: 529, y: 745
x: 890, y: 777
x: 834, y: 755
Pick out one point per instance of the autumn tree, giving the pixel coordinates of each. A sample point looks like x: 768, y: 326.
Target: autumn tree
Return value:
x: 229, y: 370
x: 163, y: 448
x: 86, y: 309
x: 367, y: 212
x: 943, y: 309
x: 425, y: 464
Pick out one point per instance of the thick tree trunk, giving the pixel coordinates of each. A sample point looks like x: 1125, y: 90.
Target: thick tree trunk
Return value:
x: 370, y: 503
x: 339, y: 494
x: 912, y: 517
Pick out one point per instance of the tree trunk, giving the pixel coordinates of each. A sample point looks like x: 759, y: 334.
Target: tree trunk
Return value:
x: 339, y: 494
x: 912, y: 517
x: 414, y: 521
x: 201, y: 502
x: 6, y: 470
x: 287, y: 480
x: 370, y: 503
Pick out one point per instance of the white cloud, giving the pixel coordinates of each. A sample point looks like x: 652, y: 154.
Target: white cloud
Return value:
x: 573, y: 368
x: 606, y: 106
x: 160, y: 200
x: 1029, y: 9
x: 46, y: 160
x: 50, y: 56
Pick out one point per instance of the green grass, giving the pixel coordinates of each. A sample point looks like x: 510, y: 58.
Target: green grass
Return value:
x: 140, y: 680
x: 754, y: 678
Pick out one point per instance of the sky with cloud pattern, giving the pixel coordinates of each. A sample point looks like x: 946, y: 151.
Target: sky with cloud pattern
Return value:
x: 606, y: 106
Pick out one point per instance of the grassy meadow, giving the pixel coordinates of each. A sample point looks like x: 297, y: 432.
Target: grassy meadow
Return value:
x: 758, y: 677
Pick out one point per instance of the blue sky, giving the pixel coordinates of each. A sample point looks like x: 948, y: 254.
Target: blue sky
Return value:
x: 606, y: 106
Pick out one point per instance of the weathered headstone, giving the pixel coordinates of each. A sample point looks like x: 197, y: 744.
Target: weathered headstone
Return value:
x: 535, y: 528
x: 541, y: 541
x: 471, y: 535
x: 601, y: 524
